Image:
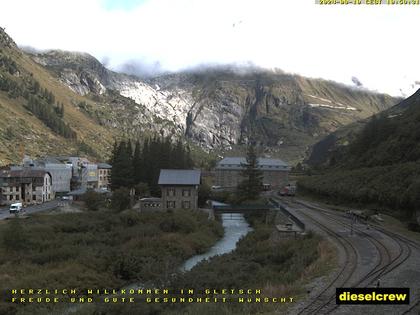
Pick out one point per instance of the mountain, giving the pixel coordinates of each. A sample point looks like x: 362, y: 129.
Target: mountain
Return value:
x: 386, y: 138
x: 38, y: 113
x: 220, y: 108
x: 59, y: 102
x: 378, y: 166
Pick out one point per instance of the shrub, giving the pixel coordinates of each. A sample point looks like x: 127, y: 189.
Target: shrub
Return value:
x: 93, y: 200
x: 120, y: 199
x: 142, y: 190
x: 14, y: 236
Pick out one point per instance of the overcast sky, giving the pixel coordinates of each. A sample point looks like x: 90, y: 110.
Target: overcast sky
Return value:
x: 378, y: 45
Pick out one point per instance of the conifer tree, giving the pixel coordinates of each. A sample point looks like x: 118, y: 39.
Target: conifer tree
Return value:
x: 137, y: 163
x: 122, y: 168
x: 251, y: 187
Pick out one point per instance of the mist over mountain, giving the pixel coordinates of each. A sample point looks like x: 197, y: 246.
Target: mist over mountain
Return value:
x: 223, y: 106
x: 215, y: 107
x: 140, y: 68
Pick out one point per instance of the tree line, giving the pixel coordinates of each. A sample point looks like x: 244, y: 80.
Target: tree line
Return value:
x: 141, y: 162
x: 39, y: 101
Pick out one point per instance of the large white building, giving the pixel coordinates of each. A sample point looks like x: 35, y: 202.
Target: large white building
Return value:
x: 27, y: 186
x: 228, y: 172
x: 61, y: 172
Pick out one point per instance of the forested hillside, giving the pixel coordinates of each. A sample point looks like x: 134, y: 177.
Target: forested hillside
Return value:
x: 381, y: 165
x: 38, y: 114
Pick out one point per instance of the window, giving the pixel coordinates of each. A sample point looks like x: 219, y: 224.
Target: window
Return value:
x: 186, y: 192
x: 17, y: 189
x: 34, y: 197
x: 10, y: 197
x: 170, y: 204
x: 170, y: 192
x: 186, y: 205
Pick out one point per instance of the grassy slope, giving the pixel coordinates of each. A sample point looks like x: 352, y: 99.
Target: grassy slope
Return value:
x: 19, y: 125
x: 381, y: 166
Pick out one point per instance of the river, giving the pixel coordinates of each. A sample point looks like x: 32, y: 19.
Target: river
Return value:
x: 235, y: 227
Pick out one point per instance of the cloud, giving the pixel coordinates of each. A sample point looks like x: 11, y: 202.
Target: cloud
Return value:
x: 356, y: 81
x: 141, y: 68
x: 333, y: 42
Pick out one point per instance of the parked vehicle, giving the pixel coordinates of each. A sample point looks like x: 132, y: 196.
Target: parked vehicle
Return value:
x: 15, y: 207
x: 266, y: 187
x: 288, y: 190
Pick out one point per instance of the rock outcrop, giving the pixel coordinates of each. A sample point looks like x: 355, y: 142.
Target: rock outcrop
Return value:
x: 223, y: 107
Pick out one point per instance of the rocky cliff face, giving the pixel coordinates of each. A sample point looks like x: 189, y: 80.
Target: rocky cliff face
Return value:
x: 221, y: 108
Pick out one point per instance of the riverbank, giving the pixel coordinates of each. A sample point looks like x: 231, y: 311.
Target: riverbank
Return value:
x: 235, y: 227
x: 263, y: 268
x: 279, y: 268
x: 99, y: 249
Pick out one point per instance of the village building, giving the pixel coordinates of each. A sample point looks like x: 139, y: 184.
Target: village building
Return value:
x: 85, y: 174
x: 150, y: 204
x: 27, y: 186
x: 228, y: 172
x: 61, y: 173
x: 104, y: 176
x: 179, y: 188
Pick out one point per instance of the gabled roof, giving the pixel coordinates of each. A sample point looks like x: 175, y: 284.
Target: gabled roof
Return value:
x: 23, y: 173
x: 179, y: 177
x: 104, y: 165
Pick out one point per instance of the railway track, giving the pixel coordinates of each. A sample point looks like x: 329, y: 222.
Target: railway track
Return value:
x: 324, y: 298
x: 404, y: 251
x: 387, y: 262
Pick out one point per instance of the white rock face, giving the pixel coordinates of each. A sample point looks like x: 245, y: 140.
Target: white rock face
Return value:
x: 167, y: 105
x: 215, y: 123
x: 216, y: 107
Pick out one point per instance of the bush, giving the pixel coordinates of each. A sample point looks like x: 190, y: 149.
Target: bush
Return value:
x: 204, y: 193
x: 120, y: 199
x: 93, y: 200
x: 413, y: 226
x: 142, y: 190
x: 15, y: 237
x: 395, y: 187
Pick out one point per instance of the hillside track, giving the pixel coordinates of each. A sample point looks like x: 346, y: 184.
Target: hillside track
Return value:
x: 380, y: 254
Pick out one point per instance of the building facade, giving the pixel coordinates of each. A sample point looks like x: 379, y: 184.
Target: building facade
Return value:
x: 179, y: 188
x: 27, y: 186
x: 85, y: 173
x: 104, y: 176
x: 61, y: 172
x: 228, y: 172
x: 150, y: 204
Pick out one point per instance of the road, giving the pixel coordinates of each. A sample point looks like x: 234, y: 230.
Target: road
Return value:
x: 367, y: 254
x: 4, y: 212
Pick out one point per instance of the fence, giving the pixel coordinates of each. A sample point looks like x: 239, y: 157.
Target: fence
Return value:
x: 286, y: 212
